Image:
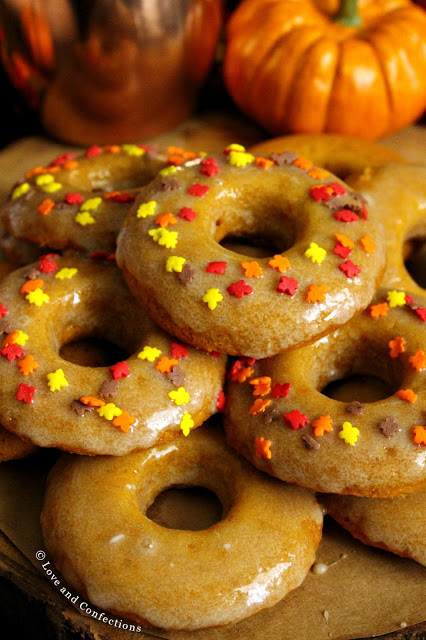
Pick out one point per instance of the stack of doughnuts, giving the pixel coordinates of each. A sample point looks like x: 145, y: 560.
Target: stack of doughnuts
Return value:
x: 225, y: 355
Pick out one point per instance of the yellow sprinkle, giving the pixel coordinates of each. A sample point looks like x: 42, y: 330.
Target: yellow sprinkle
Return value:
x: 396, y: 298
x: 65, y: 273
x: 240, y: 159
x: 315, y: 253
x: 133, y: 150
x: 91, y: 204
x: 164, y: 237
x: 84, y: 218
x: 167, y: 171
x: 52, y: 187
x: 146, y: 209
x: 179, y: 396
x: 37, y: 297
x: 149, y: 353
x: 349, y: 433
x: 175, y: 263
x: 56, y: 380
x: 235, y: 147
x: 109, y: 411
x: 187, y: 423
x: 44, y: 178
x: 20, y: 338
x: 20, y: 190
x: 212, y: 297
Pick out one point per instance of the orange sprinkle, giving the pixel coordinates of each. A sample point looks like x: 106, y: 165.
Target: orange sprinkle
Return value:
x: 303, y: 163
x: 27, y: 365
x: 259, y: 405
x: 318, y: 174
x: 35, y: 171
x: 165, y: 364
x: 108, y: 195
x: 408, y: 395
x: 112, y: 148
x: 279, y: 263
x: 166, y: 219
x: 418, y: 360
x: 263, y: 163
x: 396, y: 346
x: 10, y: 339
x: 91, y: 401
x: 123, y: 421
x: 242, y: 374
x: 262, y: 385
x: 368, y: 244
x: 175, y: 151
x: 344, y: 240
x: 263, y: 448
x: 176, y: 160
x: 323, y: 424
x: 45, y: 207
x: 419, y: 434
x: 32, y: 285
x: 316, y: 293
x: 379, y: 310
x: 70, y: 165
x: 252, y: 269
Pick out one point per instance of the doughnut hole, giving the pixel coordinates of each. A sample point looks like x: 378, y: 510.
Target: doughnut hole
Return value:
x: 193, y: 508
x: 97, y: 338
x: 414, y: 253
x: 363, y: 372
x: 262, y: 230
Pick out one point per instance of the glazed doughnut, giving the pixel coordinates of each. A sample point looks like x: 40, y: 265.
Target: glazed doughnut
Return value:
x: 371, y: 449
x: 80, y: 201
x: 397, y: 193
x: 395, y: 524
x: 94, y: 516
x: 169, y: 252
x: 340, y: 154
x: 163, y: 389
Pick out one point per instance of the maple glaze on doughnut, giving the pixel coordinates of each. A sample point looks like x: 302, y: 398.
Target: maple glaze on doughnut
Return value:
x: 279, y: 419
x: 397, y: 193
x: 216, y: 299
x: 163, y: 389
x: 79, y: 201
x: 340, y: 154
x: 96, y: 530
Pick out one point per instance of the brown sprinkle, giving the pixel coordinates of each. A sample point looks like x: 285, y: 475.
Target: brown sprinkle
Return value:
x: 176, y: 376
x: 310, y: 443
x: 355, y: 408
x: 109, y: 388
x: 80, y: 408
x: 186, y: 275
x: 389, y: 426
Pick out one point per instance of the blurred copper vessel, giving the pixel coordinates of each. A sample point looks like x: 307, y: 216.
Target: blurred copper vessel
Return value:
x: 109, y: 71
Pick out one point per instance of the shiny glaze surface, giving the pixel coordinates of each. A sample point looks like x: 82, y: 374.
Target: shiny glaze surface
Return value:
x: 247, y: 201
x: 374, y: 465
x: 96, y: 529
x: 95, y: 302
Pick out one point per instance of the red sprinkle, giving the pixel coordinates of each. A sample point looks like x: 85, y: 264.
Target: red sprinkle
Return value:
x: 25, y: 393
x: 12, y: 352
x: 287, y: 285
x: 346, y: 215
x: 421, y: 313
x: 408, y: 299
x: 320, y: 192
x: 216, y: 267
x: 120, y: 370
x: 122, y: 198
x: 93, y: 151
x: 187, y: 214
x: 73, y: 198
x: 47, y: 264
x: 221, y: 401
x: 295, y: 419
x: 198, y: 189
x: 179, y: 351
x: 349, y: 269
x: 364, y: 212
x: 62, y: 159
x: 3, y: 311
x: 239, y: 289
x: 341, y: 251
x: 209, y: 167
x: 280, y: 390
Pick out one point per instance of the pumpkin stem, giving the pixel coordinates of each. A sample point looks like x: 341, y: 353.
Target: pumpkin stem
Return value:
x: 347, y: 14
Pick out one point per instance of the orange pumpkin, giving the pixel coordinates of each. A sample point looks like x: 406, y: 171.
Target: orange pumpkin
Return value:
x: 292, y: 67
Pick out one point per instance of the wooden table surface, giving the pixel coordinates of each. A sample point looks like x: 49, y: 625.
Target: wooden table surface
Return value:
x: 27, y: 600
